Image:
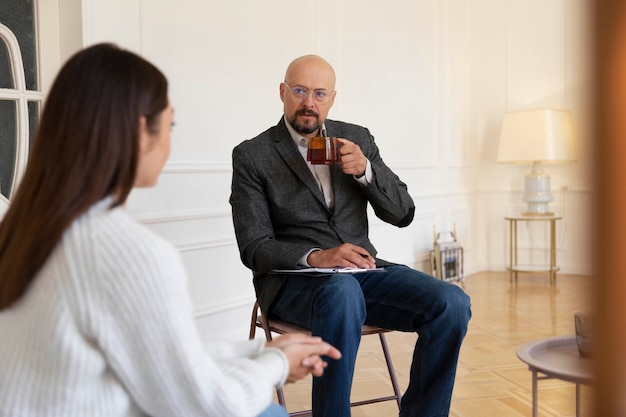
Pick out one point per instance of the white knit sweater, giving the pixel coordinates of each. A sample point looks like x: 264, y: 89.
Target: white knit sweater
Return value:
x: 106, y: 329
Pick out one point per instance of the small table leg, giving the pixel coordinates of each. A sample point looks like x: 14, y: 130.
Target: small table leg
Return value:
x: 578, y: 401
x: 511, y: 251
x: 534, y: 372
x: 553, y: 251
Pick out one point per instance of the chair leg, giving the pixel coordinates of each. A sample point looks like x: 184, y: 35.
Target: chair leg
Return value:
x: 256, y: 322
x: 281, y: 397
x: 392, y: 372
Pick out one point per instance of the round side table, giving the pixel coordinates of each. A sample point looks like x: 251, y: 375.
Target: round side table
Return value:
x: 556, y: 357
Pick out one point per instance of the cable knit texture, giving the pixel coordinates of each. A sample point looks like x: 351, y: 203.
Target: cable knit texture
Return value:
x: 106, y: 329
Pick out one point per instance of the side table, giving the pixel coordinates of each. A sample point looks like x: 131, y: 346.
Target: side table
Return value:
x: 556, y: 357
x: 514, y: 267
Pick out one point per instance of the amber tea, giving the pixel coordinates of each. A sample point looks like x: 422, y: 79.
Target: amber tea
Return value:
x: 323, y: 150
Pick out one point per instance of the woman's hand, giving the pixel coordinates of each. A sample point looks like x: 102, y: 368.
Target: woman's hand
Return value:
x: 304, y: 354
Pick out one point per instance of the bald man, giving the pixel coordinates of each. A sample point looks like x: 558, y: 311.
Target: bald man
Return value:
x: 289, y: 214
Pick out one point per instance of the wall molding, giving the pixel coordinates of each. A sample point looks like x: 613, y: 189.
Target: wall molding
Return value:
x: 582, y: 190
x: 183, y: 216
x: 197, y: 168
x: 407, y: 166
x: 232, y: 304
x: 205, y: 244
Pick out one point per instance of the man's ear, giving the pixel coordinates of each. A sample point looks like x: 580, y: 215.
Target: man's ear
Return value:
x: 143, y: 135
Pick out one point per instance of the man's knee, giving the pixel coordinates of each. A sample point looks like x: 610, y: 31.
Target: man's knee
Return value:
x: 457, y: 306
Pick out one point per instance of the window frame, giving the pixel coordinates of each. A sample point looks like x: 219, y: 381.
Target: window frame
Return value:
x: 21, y: 96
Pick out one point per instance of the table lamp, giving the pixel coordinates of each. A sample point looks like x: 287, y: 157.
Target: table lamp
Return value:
x: 536, y: 136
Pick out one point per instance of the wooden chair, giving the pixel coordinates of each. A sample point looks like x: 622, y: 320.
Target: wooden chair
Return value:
x: 276, y: 326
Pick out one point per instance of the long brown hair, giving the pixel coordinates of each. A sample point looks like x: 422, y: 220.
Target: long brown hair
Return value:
x: 86, y: 148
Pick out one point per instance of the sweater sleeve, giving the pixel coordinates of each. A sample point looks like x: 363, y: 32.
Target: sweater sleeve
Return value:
x: 140, y: 314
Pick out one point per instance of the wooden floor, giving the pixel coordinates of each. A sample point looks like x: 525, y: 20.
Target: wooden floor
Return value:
x: 491, y: 381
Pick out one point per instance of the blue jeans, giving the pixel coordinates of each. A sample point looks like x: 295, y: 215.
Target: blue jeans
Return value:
x: 336, y: 306
x: 274, y: 410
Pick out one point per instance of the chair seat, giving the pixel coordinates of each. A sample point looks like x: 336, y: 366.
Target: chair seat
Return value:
x: 280, y: 327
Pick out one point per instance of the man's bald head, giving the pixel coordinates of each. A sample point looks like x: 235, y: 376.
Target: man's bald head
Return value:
x: 309, y: 65
x: 308, y: 73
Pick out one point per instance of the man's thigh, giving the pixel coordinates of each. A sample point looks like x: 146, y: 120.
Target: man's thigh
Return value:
x: 402, y: 298
x: 303, y: 293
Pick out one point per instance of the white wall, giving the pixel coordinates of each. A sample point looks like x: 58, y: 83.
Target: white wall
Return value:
x: 430, y: 78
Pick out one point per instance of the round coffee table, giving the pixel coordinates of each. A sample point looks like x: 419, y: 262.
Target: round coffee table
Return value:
x: 556, y: 357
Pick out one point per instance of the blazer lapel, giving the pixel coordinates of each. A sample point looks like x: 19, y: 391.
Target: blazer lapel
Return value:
x: 289, y: 152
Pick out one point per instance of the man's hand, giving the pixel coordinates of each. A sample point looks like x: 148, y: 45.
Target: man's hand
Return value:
x: 346, y: 255
x: 352, y: 160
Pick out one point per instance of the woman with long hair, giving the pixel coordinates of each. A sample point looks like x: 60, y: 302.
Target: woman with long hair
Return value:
x: 95, y: 316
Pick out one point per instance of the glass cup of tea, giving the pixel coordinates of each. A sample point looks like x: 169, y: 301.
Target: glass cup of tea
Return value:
x: 323, y: 150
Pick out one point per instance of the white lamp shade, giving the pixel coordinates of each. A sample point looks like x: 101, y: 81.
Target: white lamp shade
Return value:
x: 536, y: 135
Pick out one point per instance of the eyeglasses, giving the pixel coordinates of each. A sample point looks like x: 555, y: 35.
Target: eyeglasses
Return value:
x: 302, y: 93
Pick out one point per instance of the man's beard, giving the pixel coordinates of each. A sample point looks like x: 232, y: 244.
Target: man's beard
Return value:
x: 305, y: 129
